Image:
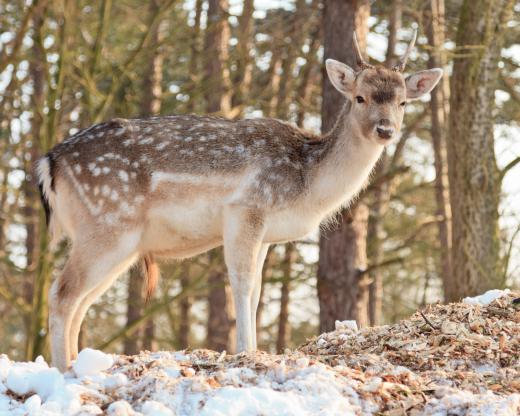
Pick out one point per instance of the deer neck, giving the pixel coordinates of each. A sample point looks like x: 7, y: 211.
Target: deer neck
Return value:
x: 344, y: 168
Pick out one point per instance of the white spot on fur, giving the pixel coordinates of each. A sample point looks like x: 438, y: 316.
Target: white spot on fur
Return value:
x: 123, y: 175
x: 148, y: 140
x: 128, y: 142
x: 105, y: 190
x: 126, y: 209
x: 96, y: 190
x: 114, y: 196
x: 77, y: 169
x: 133, y: 175
x: 161, y: 146
x: 106, y: 169
x: 96, y: 171
x: 135, y: 164
x: 100, y: 159
x: 100, y: 134
x: 148, y: 129
x: 75, y: 154
x: 91, y: 166
x: 126, y: 188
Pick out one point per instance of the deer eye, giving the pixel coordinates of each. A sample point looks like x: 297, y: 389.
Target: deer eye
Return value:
x: 403, y: 104
x: 360, y: 99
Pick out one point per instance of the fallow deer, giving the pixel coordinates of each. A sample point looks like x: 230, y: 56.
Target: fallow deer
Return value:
x: 177, y: 186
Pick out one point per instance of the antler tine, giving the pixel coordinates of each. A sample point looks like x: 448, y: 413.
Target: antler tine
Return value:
x: 362, y: 64
x: 402, y: 63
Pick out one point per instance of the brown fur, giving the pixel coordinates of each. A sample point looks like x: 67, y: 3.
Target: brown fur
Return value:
x: 152, y: 275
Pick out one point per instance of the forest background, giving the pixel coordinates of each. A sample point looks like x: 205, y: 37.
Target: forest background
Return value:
x: 439, y: 221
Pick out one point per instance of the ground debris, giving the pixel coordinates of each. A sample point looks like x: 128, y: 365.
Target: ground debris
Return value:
x: 468, y: 347
x: 456, y: 359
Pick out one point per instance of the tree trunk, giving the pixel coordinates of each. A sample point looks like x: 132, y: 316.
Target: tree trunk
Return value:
x: 184, y: 312
x: 283, y: 319
x: 342, y: 294
x: 220, y: 307
x: 217, y: 97
x: 143, y: 337
x: 216, y: 45
x: 439, y: 111
x: 381, y: 194
x: 36, y: 343
x: 134, y: 305
x: 244, y: 62
x: 194, y: 58
x: 473, y: 174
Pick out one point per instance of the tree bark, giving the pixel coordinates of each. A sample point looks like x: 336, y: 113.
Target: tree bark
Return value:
x: 216, y: 45
x: 143, y: 337
x: 244, y: 62
x: 184, y: 310
x: 342, y: 294
x: 134, y: 309
x: 218, y: 100
x: 283, y: 318
x: 220, y: 308
x: 37, y: 71
x: 473, y: 174
x: 439, y: 111
x: 381, y: 194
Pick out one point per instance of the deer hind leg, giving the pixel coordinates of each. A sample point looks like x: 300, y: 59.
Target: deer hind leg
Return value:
x: 91, y: 268
x: 255, y: 299
x: 81, y: 311
x: 243, y: 233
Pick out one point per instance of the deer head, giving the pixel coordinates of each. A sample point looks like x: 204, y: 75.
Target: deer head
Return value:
x: 379, y: 94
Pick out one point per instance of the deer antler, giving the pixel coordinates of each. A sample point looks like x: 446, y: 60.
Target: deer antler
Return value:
x: 361, y: 63
x: 402, y: 63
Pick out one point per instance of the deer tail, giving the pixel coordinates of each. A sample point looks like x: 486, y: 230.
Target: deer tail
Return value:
x: 46, y: 171
x: 152, y: 274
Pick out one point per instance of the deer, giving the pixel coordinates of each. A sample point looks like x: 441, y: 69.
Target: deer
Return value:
x: 180, y: 185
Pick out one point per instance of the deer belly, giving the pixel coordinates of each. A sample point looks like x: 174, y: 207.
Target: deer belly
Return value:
x: 186, y: 229
x: 290, y: 226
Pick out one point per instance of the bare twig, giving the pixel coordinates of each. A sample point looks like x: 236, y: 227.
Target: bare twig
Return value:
x: 428, y: 321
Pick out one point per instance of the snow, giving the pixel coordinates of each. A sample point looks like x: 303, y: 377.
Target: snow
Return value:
x: 91, y: 362
x: 207, y: 383
x: 486, y: 298
x: 345, y: 325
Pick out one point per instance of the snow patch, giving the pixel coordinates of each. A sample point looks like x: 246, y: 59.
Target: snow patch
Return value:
x: 486, y: 298
x: 91, y: 362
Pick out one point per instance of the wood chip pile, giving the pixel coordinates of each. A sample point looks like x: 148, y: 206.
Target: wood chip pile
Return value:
x: 444, y: 347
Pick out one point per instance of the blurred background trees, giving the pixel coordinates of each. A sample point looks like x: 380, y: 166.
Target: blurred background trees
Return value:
x: 438, y: 221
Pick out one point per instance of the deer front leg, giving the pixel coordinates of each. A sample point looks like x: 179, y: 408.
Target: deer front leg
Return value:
x: 243, y: 233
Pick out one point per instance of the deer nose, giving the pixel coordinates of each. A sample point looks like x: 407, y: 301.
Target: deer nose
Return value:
x: 385, y: 132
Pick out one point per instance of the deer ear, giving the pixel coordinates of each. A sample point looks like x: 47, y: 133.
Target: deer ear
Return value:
x: 422, y: 82
x: 342, y: 76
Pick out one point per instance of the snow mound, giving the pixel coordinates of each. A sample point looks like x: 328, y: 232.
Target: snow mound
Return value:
x: 486, y: 298
x: 91, y: 362
x: 456, y: 359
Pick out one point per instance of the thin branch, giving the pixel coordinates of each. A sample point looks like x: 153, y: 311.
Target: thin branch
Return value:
x: 428, y: 321
x: 385, y: 263
x: 508, y: 167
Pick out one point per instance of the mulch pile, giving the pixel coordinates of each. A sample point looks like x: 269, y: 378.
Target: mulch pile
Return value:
x: 444, y: 347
